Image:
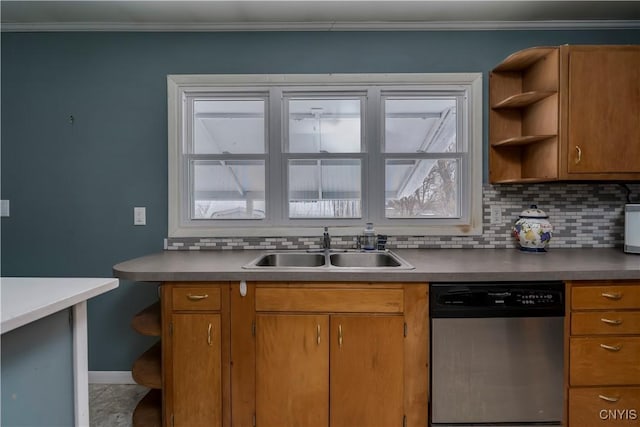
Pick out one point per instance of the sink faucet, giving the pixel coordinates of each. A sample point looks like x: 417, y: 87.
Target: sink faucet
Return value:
x: 326, y: 239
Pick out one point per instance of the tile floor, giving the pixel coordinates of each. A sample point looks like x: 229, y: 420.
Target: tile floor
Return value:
x: 111, y: 405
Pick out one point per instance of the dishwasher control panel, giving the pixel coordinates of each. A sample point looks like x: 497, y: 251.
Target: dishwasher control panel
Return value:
x: 494, y: 300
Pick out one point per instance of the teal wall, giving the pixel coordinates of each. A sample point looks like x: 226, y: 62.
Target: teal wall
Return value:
x: 73, y: 186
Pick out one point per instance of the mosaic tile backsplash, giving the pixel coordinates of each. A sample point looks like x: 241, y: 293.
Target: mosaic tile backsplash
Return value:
x: 583, y: 216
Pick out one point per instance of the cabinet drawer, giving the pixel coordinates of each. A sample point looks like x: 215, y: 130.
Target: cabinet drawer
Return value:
x: 604, y: 361
x: 330, y: 300
x: 604, y: 407
x: 605, y: 297
x: 605, y: 322
x: 195, y: 298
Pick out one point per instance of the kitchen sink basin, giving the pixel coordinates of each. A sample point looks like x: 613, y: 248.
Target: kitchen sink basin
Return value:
x: 331, y: 259
x: 364, y: 259
x: 291, y: 259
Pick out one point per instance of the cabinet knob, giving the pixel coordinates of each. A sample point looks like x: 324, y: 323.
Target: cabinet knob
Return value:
x: 578, y: 154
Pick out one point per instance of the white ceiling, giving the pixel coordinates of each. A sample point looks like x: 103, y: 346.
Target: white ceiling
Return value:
x: 217, y: 15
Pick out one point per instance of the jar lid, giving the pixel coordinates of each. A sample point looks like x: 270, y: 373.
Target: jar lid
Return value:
x: 533, y: 212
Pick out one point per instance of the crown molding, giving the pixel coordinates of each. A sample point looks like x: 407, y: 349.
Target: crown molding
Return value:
x: 318, y: 26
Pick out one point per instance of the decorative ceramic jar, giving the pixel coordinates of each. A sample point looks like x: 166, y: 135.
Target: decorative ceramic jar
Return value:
x: 533, y: 230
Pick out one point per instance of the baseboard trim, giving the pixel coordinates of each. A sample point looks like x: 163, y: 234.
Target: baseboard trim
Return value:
x: 110, y: 377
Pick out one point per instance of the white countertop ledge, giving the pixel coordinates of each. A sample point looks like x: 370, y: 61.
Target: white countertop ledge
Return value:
x: 27, y: 299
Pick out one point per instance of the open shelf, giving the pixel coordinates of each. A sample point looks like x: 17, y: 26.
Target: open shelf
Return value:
x: 147, y: 322
x: 148, y: 412
x: 523, y: 118
x: 147, y: 369
x: 522, y: 180
x: 521, y: 140
x: 524, y: 58
x: 522, y: 99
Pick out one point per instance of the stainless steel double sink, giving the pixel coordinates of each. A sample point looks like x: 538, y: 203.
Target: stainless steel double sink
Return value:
x: 330, y: 259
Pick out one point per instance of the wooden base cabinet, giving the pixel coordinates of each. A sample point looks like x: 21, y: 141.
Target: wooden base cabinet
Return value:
x: 604, y: 354
x: 295, y: 355
x: 295, y: 387
x: 604, y: 406
x: 333, y: 355
x: 193, y: 348
x: 292, y: 382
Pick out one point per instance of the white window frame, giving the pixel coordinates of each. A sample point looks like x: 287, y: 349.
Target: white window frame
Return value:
x: 276, y: 224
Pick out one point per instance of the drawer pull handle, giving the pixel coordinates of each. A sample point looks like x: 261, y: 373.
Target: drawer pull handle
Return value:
x: 197, y: 297
x: 611, y: 347
x: 614, y: 296
x: 608, y: 399
x: 612, y: 321
x: 340, y: 336
x: 209, y: 334
x: 318, y: 333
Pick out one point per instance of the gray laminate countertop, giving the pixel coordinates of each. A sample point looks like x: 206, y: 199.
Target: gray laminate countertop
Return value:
x: 431, y: 265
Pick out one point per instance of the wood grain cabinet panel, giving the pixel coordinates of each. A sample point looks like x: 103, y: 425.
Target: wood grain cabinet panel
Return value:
x: 200, y: 298
x: 196, y: 391
x: 605, y: 297
x: 604, y: 360
x: 604, y: 407
x: 366, y: 371
x: 603, y: 110
x: 605, y: 323
x: 330, y: 300
x: 292, y: 370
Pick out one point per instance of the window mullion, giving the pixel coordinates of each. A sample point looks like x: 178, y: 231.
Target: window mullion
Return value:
x: 374, y: 175
x: 275, y: 187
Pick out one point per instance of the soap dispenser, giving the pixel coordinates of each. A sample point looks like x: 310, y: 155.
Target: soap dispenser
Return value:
x: 369, y: 239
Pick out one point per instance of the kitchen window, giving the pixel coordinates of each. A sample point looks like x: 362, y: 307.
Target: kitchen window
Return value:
x: 278, y: 155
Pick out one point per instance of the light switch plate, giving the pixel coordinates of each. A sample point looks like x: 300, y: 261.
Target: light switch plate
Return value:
x: 139, y: 216
x: 4, y: 208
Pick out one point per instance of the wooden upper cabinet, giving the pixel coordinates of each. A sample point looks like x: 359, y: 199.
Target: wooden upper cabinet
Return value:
x: 603, y: 96
x: 565, y: 113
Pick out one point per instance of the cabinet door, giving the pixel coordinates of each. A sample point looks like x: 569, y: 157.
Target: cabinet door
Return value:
x: 292, y: 370
x: 604, y: 110
x: 367, y: 371
x: 196, y: 370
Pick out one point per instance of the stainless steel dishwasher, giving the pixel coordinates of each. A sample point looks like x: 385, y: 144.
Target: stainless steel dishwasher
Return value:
x: 496, y: 354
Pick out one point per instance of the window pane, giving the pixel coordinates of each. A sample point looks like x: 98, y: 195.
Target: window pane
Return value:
x: 326, y: 188
x: 233, y: 126
x: 420, y: 125
x: 228, y: 189
x: 422, y: 188
x: 324, y: 125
